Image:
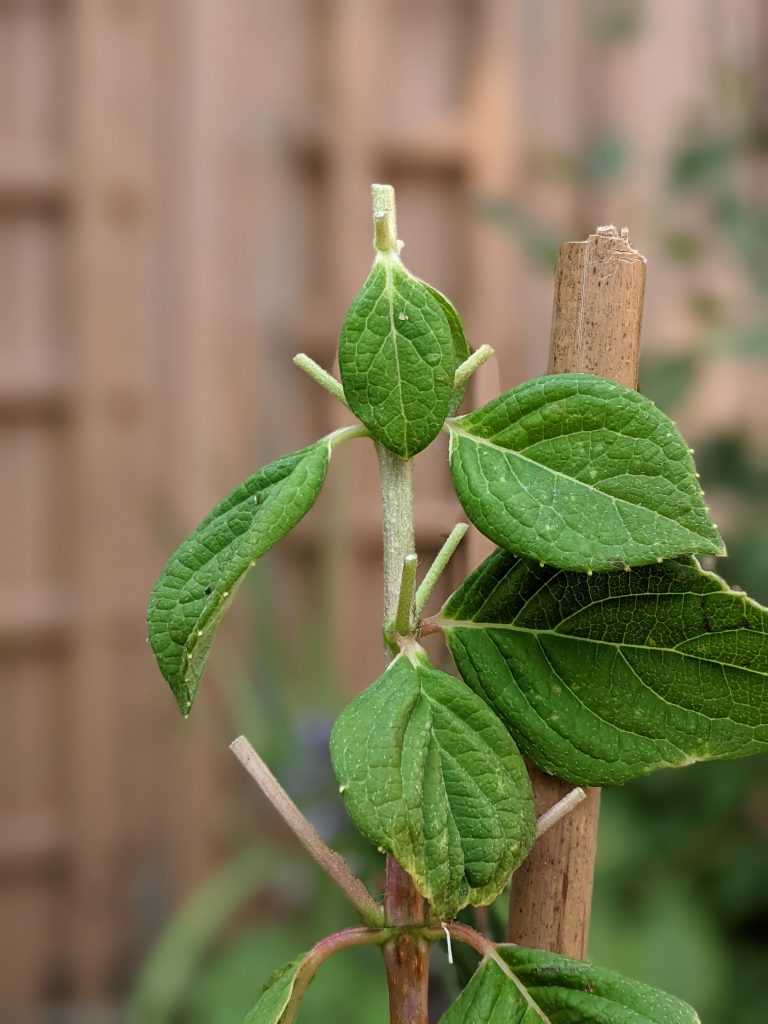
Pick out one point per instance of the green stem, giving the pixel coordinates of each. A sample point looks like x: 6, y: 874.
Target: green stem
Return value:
x: 404, y: 613
x: 406, y: 956
x: 384, y: 219
x: 437, y: 568
x: 343, y: 434
x: 397, y: 521
x: 472, y: 363
x: 320, y: 376
x: 332, y: 863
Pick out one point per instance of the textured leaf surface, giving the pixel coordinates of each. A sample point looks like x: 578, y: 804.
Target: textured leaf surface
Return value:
x: 430, y: 775
x: 574, y: 992
x: 197, y: 585
x: 607, y: 677
x: 492, y: 997
x: 397, y: 357
x: 581, y: 473
x: 543, y: 988
x: 461, y: 347
x: 277, y: 992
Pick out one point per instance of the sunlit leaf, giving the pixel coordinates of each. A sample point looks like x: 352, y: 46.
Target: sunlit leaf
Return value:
x: 581, y: 473
x: 397, y: 357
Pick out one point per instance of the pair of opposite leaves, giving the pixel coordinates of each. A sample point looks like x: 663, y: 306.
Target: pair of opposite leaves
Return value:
x: 571, y: 470
x: 516, y: 986
x: 599, y: 678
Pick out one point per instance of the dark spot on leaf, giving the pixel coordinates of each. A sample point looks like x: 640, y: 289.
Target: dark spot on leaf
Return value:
x: 706, y: 625
x: 618, y: 565
x: 208, y: 591
x: 589, y: 988
x: 745, y: 624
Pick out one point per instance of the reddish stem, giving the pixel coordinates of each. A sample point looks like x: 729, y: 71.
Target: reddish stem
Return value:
x: 406, y: 955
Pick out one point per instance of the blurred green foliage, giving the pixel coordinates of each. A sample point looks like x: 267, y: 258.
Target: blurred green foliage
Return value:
x: 211, y: 963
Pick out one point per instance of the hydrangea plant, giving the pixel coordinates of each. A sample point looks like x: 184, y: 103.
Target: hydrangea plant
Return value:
x: 591, y: 641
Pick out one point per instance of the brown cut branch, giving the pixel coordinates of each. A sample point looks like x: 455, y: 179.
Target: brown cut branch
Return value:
x: 596, y: 319
x: 332, y: 863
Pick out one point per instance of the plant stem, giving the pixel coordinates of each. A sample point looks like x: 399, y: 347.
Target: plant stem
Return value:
x: 320, y: 952
x: 337, y: 437
x: 397, y: 516
x: 559, y: 810
x: 384, y: 219
x: 407, y: 955
x: 332, y: 863
x: 470, y: 364
x: 404, y: 613
x: 320, y: 376
x: 437, y: 568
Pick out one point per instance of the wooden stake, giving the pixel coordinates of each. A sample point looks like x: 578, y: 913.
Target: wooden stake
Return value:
x: 596, y: 318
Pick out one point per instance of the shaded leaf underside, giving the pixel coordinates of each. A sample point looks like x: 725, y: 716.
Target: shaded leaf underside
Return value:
x: 581, y: 473
x: 607, y: 677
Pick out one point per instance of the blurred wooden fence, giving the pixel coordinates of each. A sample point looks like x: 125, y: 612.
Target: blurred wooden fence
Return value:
x: 183, y: 205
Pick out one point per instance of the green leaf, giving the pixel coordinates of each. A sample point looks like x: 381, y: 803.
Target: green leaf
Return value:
x: 198, y: 583
x: 431, y: 776
x: 605, y: 678
x: 461, y: 347
x: 575, y: 992
x: 276, y: 995
x: 397, y: 357
x: 531, y: 986
x: 492, y: 997
x: 581, y: 473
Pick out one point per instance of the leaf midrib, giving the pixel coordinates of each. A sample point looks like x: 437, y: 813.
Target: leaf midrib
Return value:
x: 511, y: 453
x: 510, y: 627
x: 390, y: 287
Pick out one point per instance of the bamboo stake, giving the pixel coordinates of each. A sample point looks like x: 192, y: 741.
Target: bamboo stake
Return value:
x: 596, y: 319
